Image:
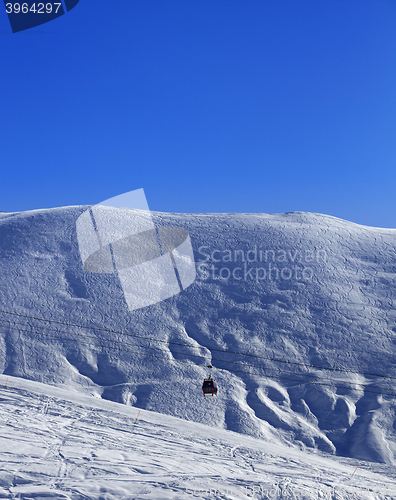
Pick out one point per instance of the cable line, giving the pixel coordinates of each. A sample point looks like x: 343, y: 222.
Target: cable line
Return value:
x: 174, y: 352
x: 276, y: 377
x: 202, y: 347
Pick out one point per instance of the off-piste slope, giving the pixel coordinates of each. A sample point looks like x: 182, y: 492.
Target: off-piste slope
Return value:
x: 70, y: 446
x: 307, y: 298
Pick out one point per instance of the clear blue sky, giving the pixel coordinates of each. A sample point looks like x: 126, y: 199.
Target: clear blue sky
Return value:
x: 209, y: 105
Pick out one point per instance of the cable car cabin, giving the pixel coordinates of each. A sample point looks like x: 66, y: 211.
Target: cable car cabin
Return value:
x: 208, y: 388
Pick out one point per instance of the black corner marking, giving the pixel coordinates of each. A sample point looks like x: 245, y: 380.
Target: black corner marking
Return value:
x: 26, y: 14
x: 70, y: 4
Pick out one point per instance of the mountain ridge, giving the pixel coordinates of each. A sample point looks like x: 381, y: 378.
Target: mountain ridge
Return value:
x: 339, y: 314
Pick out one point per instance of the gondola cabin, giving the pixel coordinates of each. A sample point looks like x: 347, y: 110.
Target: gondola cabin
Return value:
x: 209, y: 388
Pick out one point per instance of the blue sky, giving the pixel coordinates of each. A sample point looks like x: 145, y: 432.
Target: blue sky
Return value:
x: 209, y: 105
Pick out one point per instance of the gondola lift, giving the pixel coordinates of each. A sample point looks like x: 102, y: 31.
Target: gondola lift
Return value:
x: 209, y: 388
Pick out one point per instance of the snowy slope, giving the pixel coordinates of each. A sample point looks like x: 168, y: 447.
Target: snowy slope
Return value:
x: 56, y: 443
x: 299, y: 288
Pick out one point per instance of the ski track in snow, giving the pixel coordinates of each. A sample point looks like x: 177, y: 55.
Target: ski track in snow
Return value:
x: 60, y: 444
x: 342, y: 317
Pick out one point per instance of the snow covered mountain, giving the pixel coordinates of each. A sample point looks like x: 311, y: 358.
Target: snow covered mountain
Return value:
x: 58, y: 443
x: 294, y: 311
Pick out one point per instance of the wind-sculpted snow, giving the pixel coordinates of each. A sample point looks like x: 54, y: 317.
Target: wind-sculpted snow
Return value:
x: 57, y: 443
x: 305, y: 289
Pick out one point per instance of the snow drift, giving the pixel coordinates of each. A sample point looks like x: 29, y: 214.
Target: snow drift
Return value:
x: 294, y: 311
x: 70, y: 446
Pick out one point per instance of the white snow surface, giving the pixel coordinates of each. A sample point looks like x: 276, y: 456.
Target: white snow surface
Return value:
x: 312, y: 295
x: 58, y: 443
